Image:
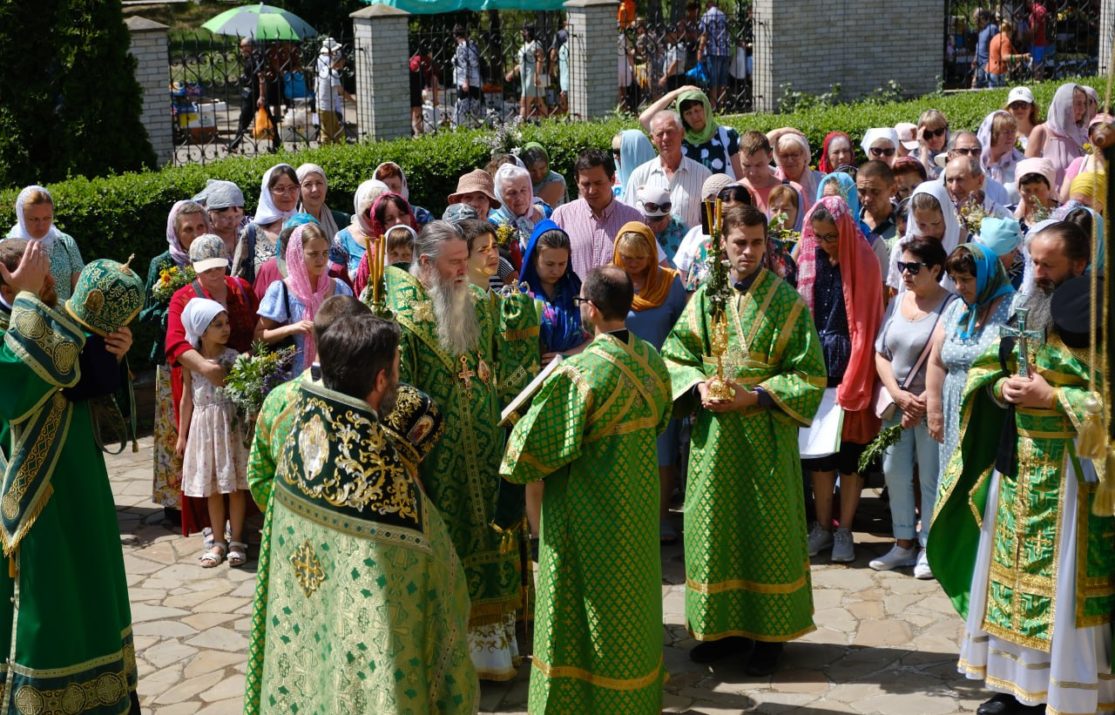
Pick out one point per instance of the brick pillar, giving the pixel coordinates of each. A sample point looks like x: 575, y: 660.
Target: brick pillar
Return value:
x: 149, y: 47
x: 1107, y: 34
x: 593, y: 58
x: 382, y: 72
x: 813, y: 56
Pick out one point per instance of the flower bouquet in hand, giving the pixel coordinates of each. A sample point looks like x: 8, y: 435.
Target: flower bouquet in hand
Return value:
x: 170, y: 280
x: 252, y: 376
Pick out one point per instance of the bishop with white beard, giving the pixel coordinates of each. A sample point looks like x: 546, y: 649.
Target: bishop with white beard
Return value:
x: 470, y: 350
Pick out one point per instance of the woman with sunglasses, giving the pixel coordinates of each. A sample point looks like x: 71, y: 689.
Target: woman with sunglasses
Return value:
x: 881, y: 143
x: 933, y: 137
x: 654, y: 202
x: 968, y: 327
x: 838, y: 277
x: 901, y: 353
x: 1026, y: 113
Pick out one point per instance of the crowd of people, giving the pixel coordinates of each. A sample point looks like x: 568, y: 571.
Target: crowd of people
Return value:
x: 404, y: 476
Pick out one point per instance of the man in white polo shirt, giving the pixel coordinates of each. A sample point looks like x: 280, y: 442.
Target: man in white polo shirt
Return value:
x: 671, y: 170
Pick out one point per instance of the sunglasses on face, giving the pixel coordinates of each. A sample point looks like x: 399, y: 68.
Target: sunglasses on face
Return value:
x: 651, y: 207
x: 735, y: 195
x: 913, y: 267
x: 931, y: 133
x: 966, y: 151
x: 881, y: 151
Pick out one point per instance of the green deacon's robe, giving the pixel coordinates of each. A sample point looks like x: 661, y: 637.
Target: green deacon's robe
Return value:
x: 1024, y: 567
x: 750, y: 578
x: 67, y: 621
x: 367, y: 605
x: 590, y: 433
x: 461, y: 474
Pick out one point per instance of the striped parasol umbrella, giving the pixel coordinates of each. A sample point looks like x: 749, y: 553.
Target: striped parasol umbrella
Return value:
x: 261, y: 22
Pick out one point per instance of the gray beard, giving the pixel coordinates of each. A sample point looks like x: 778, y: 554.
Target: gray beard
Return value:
x: 1040, y: 305
x: 458, y: 329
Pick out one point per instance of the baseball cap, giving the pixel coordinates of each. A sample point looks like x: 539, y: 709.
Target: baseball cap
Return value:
x: 655, y: 195
x: 208, y: 252
x: 907, y: 134
x: 1020, y: 94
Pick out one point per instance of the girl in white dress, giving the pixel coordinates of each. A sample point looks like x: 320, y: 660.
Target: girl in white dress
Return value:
x: 213, y: 445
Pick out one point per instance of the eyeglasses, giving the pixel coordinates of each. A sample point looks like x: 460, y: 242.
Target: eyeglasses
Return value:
x: 827, y: 238
x: 284, y: 189
x: 931, y: 133
x: 967, y: 151
x: 913, y: 267
x: 651, y: 207
x: 578, y: 300
x: 880, y: 151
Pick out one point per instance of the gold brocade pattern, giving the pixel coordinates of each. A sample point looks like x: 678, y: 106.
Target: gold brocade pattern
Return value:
x: 101, y: 690
x: 307, y: 568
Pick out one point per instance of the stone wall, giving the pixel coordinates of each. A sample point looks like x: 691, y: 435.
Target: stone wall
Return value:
x: 593, y: 58
x: 149, y: 47
x: 382, y: 72
x: 814, y: 44
x: 1107, y: 33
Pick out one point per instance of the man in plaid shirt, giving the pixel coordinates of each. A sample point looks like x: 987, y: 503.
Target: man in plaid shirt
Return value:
x: 716, y: 49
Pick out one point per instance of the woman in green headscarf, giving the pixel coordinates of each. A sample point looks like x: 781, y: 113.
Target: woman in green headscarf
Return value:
x: 706, y: 142
x: 548, y: 185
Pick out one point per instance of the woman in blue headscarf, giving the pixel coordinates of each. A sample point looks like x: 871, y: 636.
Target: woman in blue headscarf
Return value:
x: 634, y: 149
x: 548, y: 272
x: 965, y: 331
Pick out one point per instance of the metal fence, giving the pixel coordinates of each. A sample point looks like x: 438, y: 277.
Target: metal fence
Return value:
x: 215, y: 94
x: 1070, y: 28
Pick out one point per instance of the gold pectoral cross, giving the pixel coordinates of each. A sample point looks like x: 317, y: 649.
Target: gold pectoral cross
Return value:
x: 466, y: 374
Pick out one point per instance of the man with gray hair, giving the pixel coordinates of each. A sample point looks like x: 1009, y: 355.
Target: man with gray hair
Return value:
x: 671, y: 170
x: 966, y: 184
x: 966, y: 143
x: 471, y: 351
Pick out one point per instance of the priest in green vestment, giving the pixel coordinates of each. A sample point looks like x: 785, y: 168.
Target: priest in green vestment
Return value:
x: 747, y: 585
x: 1014, y: 542
x: 591, y: 434
x: 67, y: 633
x: 470, y: 352
x: 367, y: 604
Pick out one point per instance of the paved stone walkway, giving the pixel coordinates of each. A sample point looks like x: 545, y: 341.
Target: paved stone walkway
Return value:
x: 885, y: 642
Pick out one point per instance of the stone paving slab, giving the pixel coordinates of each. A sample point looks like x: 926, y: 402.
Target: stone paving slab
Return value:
x: 885, y: 642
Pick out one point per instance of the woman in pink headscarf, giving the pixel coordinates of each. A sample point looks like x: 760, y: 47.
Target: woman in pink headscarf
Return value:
x: 1061, y: 138
x: 288, y: 308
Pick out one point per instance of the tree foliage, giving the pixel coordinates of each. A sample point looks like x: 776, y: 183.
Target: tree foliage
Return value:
x: 69, y: 101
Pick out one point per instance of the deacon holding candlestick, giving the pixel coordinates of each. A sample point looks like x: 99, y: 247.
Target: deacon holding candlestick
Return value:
x: 747, y: 588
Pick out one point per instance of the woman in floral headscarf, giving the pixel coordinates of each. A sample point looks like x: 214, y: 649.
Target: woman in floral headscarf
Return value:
x: 186, y: 221
x: 839, y: 279
x: 288, y: 308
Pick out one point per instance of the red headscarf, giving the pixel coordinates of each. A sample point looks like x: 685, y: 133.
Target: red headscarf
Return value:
x: 360, y: 280
x: 824, y: 165
x: 863, y: 298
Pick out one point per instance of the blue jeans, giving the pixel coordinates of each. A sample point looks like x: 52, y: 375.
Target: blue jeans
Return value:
x: 898, y: 467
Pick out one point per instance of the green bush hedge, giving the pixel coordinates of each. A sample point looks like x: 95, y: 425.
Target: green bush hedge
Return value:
x: 118, y: 215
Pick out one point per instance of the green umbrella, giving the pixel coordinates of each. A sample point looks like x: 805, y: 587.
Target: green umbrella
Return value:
x: 261, y: 22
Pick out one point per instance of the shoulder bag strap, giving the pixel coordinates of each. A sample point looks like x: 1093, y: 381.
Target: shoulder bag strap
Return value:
x: 928, y: 347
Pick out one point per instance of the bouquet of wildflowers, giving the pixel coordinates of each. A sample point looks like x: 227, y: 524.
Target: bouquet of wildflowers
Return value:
x: 253, y: 375
x: 972, y: 212
x: 783, y: 232
x: 170, y: 280
x: 506, y: 234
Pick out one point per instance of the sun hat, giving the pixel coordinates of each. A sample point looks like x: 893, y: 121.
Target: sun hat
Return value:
x: 907, y: 135
x: 476, y: 180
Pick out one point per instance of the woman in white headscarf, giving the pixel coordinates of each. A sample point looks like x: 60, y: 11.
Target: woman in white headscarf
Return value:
x: 313, y: 187
x: 1061, y: 138
x: 881, y: 143
x: 931, y: 215
x: 278, y: 201
x: 351, y: 240
x: 34, y: 212
x: 792, y: 155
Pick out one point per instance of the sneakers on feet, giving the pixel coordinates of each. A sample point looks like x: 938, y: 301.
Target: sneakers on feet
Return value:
x: 896, y: 558
x: 819, y: 539
x: 922, y: 570
x: 843, y: 547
